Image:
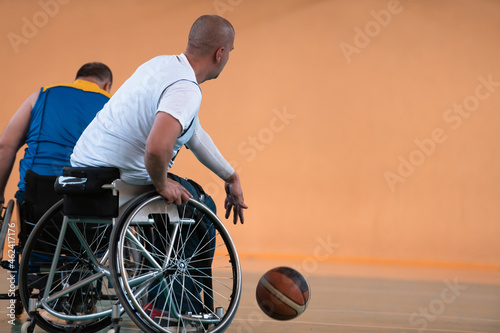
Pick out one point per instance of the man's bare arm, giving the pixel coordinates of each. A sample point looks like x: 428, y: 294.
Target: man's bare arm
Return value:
x: 13, y: 138
x: 159, y: 152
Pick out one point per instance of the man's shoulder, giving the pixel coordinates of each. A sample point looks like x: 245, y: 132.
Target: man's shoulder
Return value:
x: 176, y: 62
x: 166, y: 69
x: 164, y: 59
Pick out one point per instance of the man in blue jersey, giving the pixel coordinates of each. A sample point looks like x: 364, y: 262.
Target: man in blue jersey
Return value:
x: 49, y: 122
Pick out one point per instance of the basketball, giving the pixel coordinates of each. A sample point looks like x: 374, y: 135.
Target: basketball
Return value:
x: 282, y: 293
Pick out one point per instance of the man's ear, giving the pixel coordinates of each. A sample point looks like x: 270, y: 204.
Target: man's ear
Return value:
x: 107, y: 86
x: 219, y: 53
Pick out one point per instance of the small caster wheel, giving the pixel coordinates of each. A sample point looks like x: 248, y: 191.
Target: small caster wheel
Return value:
x: 27, y: 327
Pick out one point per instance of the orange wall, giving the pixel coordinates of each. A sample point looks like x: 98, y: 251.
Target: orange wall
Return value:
x: 361, y: 129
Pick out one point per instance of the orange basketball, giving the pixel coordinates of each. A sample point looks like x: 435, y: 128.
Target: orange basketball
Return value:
x: 282, y: 293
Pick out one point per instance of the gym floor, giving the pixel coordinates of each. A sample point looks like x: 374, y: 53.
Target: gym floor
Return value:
x: 348, y: 297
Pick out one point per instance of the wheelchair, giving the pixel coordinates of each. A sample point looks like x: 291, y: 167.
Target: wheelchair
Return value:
x: 109, y: 249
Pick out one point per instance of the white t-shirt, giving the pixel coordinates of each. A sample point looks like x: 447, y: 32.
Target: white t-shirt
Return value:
x: 117, y: 136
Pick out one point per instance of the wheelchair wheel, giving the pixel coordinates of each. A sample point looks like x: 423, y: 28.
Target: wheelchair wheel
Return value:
x: 79, y: 297
x: 190, y: 276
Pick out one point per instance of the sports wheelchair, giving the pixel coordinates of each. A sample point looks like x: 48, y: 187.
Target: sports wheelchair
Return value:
x: 109, y: 248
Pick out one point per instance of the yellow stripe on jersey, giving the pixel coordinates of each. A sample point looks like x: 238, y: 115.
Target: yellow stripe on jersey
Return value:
x: 82, y: 85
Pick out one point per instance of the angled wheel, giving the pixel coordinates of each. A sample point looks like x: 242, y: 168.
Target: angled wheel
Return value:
x: 190, y: 276
x: 76, y: 295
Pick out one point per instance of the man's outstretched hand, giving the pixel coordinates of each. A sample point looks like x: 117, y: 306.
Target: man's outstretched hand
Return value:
x: 234, y: 199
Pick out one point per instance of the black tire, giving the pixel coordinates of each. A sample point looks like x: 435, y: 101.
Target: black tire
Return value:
x: 215, y: 280
x: 74, y: 264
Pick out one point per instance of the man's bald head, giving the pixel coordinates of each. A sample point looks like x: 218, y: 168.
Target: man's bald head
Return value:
x: 208, y: 33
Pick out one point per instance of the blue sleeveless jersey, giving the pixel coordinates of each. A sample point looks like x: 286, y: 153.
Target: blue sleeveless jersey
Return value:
x: 59, y: 116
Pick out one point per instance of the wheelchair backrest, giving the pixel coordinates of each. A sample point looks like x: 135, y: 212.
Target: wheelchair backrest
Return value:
x: 84, y: 194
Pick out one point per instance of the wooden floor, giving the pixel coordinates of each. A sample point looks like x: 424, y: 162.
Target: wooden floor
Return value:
x: 364, y: 298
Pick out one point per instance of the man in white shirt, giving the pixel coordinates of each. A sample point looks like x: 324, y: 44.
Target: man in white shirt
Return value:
x: 155, y: 112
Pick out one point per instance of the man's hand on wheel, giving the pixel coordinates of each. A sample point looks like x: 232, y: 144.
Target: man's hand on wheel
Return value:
x: 175, y: 193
